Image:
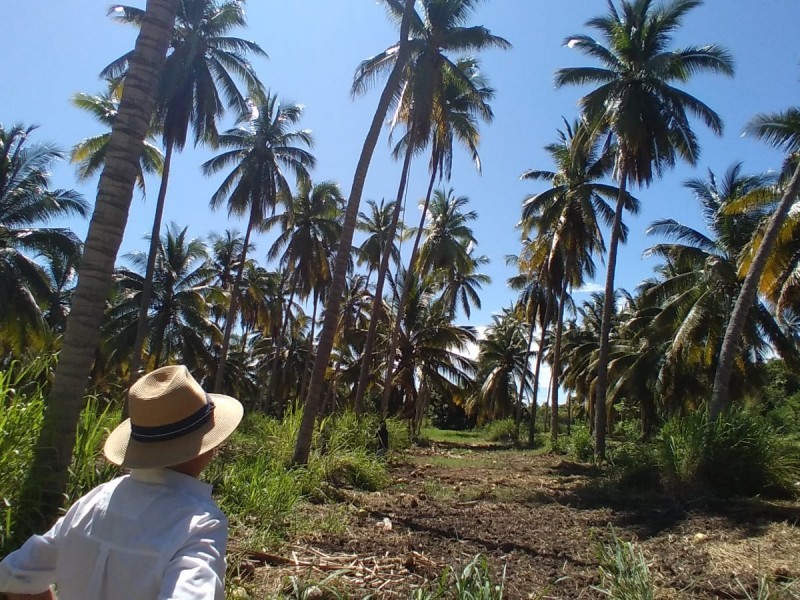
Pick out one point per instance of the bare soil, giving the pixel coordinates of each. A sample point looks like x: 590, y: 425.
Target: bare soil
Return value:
x: 538, y: 519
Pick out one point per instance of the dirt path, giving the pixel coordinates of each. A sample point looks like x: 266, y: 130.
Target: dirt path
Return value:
x: 539, y: 519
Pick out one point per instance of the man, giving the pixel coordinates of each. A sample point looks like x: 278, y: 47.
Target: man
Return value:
x: 154, y: 533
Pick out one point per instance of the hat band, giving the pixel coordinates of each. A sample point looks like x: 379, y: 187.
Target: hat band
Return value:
x: 161, y: 433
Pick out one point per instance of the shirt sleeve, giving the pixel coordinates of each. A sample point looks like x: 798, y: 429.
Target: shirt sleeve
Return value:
x: 197, y: 570
x: 32, y: 568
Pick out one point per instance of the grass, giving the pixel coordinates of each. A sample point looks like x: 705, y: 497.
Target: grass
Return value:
x: 623, y: 570
x: 467, y: 436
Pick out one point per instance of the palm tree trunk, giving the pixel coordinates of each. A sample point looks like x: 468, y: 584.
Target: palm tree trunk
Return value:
x: 525, y: 365
x: 49, y: 473
x: 377, y: 299
x: 147, y: 289
x: 537, y: 371
x: 278, y: 343
x: 747, y: 296
x: 398, y: 319
x: 557, y: 367
x: 605, y: 326
x: 332, y: 306
x: 310, y: 346
x: 219, y: 382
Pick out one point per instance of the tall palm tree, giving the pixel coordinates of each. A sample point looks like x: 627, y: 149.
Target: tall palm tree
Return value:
x: 56, y: 441
x: 421, y: 100
x: 342, y: 262
x: 259, y: 151
x: 648, y: 116
x: 310, y: 228
x: 90, y: 153
x: 197, y: 84
x: 569, y: 215
x: 781, y: 130
x: 25, y: 201
x: 532, y: 307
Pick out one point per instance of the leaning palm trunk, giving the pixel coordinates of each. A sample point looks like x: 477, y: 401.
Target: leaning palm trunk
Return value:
x: 747, y: 296
x: 219, y: 382
x: 55, y: 445
x: 605, y: 327
x: 332, y: 306
x: 537, y: 371
x: 557, y: 367
x: 398, y: 319
x: 147, y: 288
x: 377, y: 300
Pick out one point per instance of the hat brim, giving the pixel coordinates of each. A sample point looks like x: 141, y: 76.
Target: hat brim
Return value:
x: 124, y: 451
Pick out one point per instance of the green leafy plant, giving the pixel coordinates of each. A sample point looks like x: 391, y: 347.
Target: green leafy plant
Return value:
x: 624, y: 573
x: 581, y: 444
x: 472, y: 581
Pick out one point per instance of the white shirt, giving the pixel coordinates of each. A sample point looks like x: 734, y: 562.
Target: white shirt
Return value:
x: 151, y: 534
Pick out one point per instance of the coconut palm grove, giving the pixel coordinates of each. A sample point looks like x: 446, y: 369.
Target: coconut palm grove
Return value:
x: 580, y: 402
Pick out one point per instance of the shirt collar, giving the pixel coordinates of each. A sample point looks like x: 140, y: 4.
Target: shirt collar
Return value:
x: 170, y: 477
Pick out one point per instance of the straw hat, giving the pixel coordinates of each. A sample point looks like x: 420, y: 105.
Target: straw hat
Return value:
x: 172, y: 420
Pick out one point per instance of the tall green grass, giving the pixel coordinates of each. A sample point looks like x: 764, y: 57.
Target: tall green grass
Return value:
x: 624, y: 573
x: 22, y: 405
x: 740, y: 454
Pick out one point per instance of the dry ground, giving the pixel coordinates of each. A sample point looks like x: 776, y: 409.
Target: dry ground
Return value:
x: 539, y: 518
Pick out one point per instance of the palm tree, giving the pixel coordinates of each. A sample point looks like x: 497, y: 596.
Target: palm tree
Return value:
x: 56, y: 441
x: 696, y: 288
x: 534, y: 303
x: 178, y: 318
x: 310, y: 228
x: 780, y: 130
x: 376, y: 226
x: 90, y: 153
x: 259, y: 151
x: 460, y: 288
x: 199, y: 72
x: 568, y: 215
x: 431, y: 351
x: 25, y: 200
x: 448, y: 235
x: 342, y: 262
x: 502, y: 362
x: 647, y: 115
x: 421, y: 101
x: 456, y: 112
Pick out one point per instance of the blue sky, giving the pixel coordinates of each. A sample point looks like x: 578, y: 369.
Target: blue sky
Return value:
x: 53, y: 49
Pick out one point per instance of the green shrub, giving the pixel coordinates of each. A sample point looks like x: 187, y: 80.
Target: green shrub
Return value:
x: 623, y: 570
x: 502, y: 431
x: 738, y: 455
x: 581, y: 444
x: 634, y: 465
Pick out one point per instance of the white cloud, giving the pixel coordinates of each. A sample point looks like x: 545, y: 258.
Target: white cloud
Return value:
x: 590, y: 288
